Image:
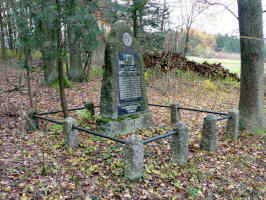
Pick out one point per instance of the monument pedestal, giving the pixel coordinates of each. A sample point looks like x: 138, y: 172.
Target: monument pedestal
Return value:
x: 124, y: 125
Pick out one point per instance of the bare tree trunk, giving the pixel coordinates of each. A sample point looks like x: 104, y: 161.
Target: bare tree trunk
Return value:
x: 75, y: 70
x: 163, y: 17
x: 135, y: 19
x: 47, y: 47
x: 186, y: 42
x: 9, y: 24
x: 60, y: 63
x: 28, y: 68
x: 187, y: 34
x: 3, y: 45
x: 48, y: 63
x: 251, y: 103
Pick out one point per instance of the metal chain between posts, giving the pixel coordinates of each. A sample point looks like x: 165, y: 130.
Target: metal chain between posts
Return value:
x: 58, y: 111
x: 189, y: 109
x: 82, y: 129
x: 159, y: 137
x: 223, y: 118
x: 156, y: 138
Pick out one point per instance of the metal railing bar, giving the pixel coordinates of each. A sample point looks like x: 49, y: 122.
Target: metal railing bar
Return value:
x: 83, y: 129
x: 205, y: 111
x: 156, y: 138
x: 49, y: 120
x: 58, y: 111
x: 100, y: 135
x: 189, y: 109
x: 159, y: 105
x: 223, y: 118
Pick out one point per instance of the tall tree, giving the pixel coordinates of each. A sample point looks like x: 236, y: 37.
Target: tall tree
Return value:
x: 23, y: 18
x: 59, y: 55
x: 42, y: 23
x: 74, y: 45
x: 145, y: 14
x: 2, y: 30
x: 82, y: 26
x: 251, y: 103
x: 45, y: 35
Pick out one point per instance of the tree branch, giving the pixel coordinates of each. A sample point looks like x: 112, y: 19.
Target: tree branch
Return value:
x: 16, y: 88
x: 220, y: 4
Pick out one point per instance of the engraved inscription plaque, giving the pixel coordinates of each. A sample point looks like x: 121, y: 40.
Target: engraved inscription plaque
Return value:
x: 129, y: 82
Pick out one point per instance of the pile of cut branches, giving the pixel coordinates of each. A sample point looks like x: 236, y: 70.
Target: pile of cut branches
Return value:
x: 166, y: 61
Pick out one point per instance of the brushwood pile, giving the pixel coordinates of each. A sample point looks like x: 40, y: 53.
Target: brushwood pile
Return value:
x: 166, y: 61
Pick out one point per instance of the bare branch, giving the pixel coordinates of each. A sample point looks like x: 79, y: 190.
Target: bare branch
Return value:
x: 220, y: 4
x: 16, y: 88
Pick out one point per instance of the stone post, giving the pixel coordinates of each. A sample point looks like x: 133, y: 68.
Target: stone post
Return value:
x: 208, y: 139
x: 31, y: 122
x: 71, y: 136
x: 134, y: 158
x: 90, y: 107
x: 175, y: 113
x: 179, y: 145
x: 233, y: 124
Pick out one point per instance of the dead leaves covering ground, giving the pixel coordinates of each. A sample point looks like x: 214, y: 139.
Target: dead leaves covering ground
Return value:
x: 37, y: 165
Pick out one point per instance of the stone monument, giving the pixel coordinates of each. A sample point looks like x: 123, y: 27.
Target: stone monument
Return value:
x: 123, y: 106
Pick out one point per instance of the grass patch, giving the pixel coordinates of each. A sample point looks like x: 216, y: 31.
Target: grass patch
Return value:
x: 233, y: 65
x: 96, y: 72
x: 67, y: 83
x: 84, y: 115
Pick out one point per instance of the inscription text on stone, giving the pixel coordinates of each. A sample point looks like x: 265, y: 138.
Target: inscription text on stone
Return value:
x: 129, y: 81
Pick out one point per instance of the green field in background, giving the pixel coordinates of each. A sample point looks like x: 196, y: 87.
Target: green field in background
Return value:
x: 232, y: 65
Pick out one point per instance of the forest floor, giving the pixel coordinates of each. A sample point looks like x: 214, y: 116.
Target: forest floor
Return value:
x: 36, y: 165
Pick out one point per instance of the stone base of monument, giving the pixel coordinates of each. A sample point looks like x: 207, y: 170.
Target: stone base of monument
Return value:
x: 124, y: 124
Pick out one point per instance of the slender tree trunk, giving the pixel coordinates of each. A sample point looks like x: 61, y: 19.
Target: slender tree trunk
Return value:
x: 47, y: 47
x: 8, y: 10
x: 135, y: 19
x: 251, y: 103
x: 163, y: 18
x: 75, y: 70
x: 10, y: 35
x: 12, y: 30
x: 60, y: 63
x: 186, y: 43
x: 3, y: 46
x: 28, y: 68
x: 48, y: 63
x: 187, y: 34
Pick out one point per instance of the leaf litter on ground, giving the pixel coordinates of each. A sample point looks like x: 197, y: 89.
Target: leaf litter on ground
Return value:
x: 37, y: 165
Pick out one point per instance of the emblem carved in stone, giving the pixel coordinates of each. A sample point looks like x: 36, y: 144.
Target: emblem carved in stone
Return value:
x: 127, y: 39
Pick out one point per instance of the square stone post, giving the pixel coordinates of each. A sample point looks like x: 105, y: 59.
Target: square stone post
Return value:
x: 71, y: 136
x: 208, y: 138
x: 233, y: 124
x: 175, y: 113
x: 31, y: 122
x: 179, y: 145
x: 134, y: 158
x: 90, y: 107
